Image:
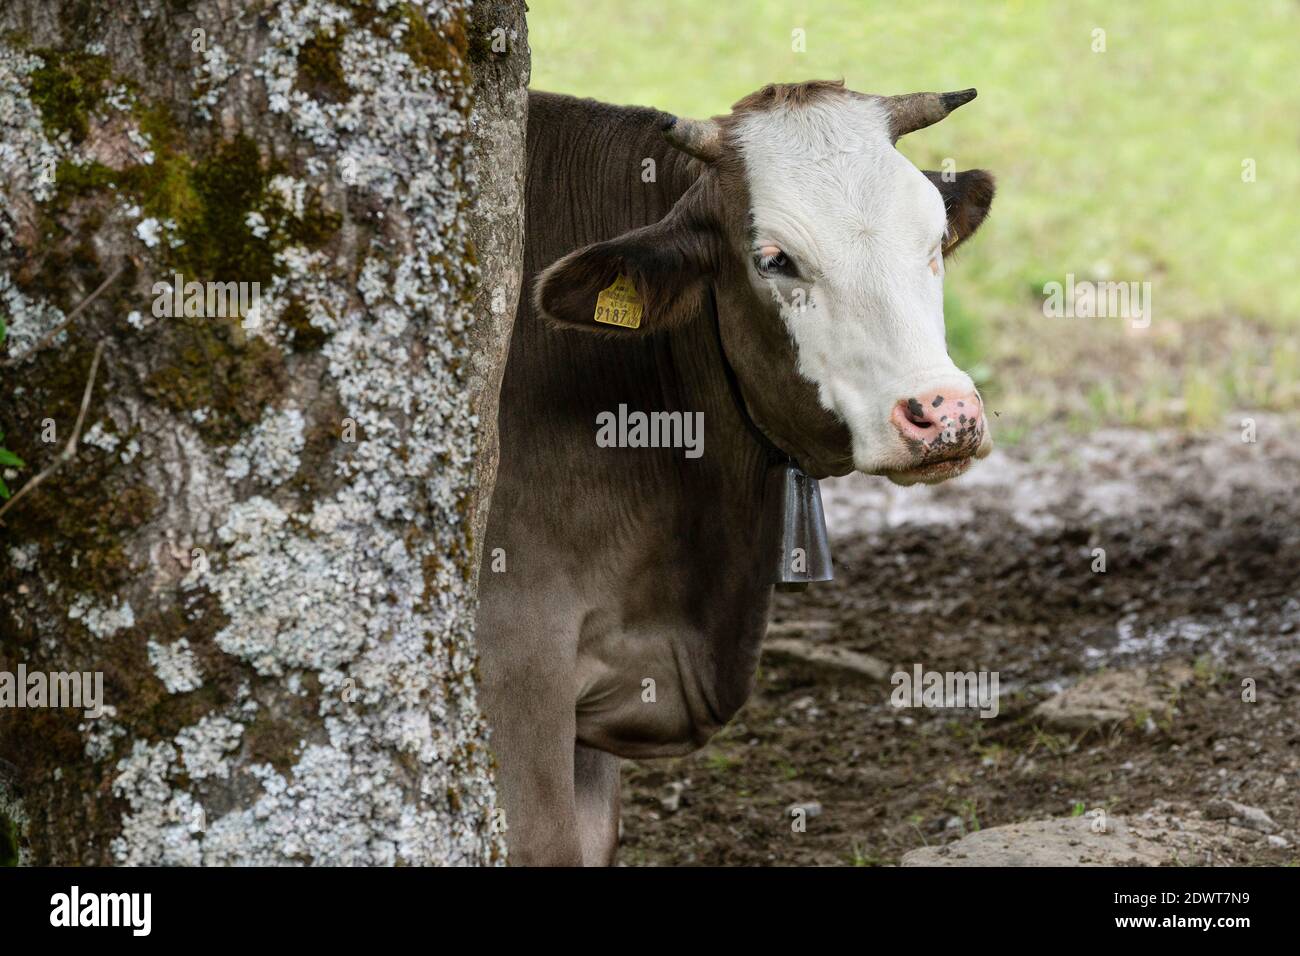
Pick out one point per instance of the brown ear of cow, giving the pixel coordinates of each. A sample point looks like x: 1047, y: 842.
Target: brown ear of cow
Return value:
x: 967, y: 196
x: 669, y: 264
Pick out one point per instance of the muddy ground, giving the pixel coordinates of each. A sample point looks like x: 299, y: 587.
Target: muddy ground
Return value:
x: 994, y: 572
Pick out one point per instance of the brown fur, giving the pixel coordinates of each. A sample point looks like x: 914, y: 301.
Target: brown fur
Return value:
x: 671, y: 263
x: 789, y: 95
x: 967, y: 199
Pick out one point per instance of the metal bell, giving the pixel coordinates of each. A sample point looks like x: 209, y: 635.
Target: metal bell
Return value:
x: 796, y: 528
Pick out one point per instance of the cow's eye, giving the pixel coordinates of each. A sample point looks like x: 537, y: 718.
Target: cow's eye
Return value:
x: 771, y: 261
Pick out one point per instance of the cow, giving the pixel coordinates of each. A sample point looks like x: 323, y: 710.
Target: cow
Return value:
x: 776, y: 271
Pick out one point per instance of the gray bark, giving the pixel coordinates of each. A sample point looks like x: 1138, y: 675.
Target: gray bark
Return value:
x: 499, y: 58
x: 264, y: 540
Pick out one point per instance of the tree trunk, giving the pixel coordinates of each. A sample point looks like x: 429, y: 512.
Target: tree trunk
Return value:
x: 499, y: 59
x: 263, y: 541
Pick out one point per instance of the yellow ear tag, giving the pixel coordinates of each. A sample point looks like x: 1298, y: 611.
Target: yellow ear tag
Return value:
x: 619, y: 304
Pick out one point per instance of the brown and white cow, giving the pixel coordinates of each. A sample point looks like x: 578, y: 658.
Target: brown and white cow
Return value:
x: 624, y: 613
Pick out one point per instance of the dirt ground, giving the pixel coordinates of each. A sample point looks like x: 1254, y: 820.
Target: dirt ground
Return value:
x: 994, y: 572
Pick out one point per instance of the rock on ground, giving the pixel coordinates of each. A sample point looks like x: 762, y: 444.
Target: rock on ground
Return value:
x: 1065, y: 842
x: 1112, y: 696
x: 1165, y: 835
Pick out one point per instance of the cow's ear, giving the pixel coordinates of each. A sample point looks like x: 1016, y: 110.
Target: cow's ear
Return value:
x: 663, y: 268
x: 967, y: 196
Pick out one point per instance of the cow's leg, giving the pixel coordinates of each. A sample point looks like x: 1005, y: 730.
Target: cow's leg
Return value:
x: 596, y: 790
x: 536, y: 789
x: 525, y: 658
x: 532, y: 737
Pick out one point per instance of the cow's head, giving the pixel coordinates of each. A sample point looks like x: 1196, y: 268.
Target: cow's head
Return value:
x: 823, y: 249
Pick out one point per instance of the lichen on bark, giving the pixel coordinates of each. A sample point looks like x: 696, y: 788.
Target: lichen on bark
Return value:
x: 321, y: 708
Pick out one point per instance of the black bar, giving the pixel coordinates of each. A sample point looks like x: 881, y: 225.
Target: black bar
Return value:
x: 338, y: 906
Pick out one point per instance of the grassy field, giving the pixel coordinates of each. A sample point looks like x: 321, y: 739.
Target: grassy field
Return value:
x: 1125, y: 164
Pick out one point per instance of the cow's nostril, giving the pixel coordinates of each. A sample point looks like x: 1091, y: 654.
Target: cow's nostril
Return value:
x: 916, y: 414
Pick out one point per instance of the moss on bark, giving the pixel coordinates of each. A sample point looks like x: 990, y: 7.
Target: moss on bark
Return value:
x: 320, y: 70
x: 8, y: 841
x: 67, y: 88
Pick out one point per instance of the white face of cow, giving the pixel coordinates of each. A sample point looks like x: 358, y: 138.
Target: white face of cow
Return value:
x: 848, y: 246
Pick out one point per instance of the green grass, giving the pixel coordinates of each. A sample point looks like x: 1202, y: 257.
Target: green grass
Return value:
x: 7, y: 458
x: 1124, y: 164
x: 721, y: 762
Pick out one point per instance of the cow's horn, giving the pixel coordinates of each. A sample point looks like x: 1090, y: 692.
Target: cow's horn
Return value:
x: 701, y: 138
x: 914, y: 111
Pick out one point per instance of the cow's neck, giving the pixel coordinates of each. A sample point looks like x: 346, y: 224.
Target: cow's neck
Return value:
x: 670, y: 535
